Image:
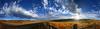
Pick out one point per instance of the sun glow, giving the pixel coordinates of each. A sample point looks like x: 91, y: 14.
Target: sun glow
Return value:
x: 76, y: 17
x: 78, y: 14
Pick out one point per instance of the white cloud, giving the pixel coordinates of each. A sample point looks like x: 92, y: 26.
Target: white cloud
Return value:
x: 17, y: 9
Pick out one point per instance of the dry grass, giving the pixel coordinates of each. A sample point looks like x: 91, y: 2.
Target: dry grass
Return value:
x: 69, y: 25
x: 62, y: 25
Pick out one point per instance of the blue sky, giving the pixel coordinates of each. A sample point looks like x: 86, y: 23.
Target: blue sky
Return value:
x: 92, y: 6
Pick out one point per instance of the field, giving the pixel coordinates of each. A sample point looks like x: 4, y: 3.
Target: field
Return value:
x: 81, y: 24
x: 52, y: 24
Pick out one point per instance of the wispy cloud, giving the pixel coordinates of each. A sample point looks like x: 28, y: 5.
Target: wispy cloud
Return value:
x: 15, y: 8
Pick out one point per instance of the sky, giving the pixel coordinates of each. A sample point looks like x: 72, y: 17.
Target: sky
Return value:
x: 35, y: 9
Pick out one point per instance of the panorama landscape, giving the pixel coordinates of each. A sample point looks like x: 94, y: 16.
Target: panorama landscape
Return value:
x: 49, y: 14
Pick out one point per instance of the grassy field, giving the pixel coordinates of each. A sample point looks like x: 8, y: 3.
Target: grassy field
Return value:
x: 81, y: 24
x: 55, y: 24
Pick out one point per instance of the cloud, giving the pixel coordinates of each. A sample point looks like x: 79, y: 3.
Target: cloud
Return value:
x: 16, y: 9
